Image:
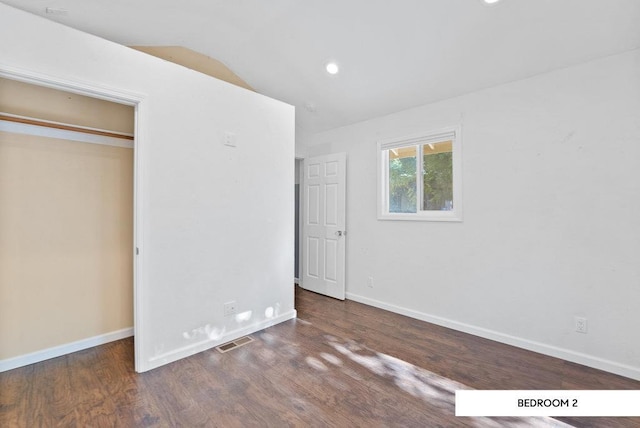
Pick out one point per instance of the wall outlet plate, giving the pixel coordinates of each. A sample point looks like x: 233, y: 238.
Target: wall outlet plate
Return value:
x: 230, y: 308
x: 581, y: 324
x: 229, y: 139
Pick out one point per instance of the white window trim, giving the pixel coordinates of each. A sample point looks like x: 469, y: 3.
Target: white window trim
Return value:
x: 455, y: 133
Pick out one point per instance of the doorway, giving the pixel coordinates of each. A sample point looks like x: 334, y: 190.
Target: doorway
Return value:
x: 61, y: 246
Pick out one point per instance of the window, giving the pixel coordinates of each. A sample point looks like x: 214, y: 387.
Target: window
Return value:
x: 420, y: 177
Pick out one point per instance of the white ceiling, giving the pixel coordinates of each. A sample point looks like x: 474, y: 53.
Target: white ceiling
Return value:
x: 394, y: 54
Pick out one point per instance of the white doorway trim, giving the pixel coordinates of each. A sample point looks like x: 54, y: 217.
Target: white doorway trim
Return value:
x: 138, y: 101
x: 300, y: 161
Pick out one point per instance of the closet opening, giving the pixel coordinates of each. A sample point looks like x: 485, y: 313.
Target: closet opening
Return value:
x: 69, y: 217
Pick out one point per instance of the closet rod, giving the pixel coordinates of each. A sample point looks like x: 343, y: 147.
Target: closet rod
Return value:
x: 57, y: 125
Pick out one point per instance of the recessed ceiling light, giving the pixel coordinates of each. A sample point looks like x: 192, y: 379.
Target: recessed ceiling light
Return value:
x: 332, y: 68
x: 491, y: 1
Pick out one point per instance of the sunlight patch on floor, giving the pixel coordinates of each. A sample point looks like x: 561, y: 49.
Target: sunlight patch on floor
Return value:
x: 331, y: 359
x: 316, y: 364
x: 423, y: 384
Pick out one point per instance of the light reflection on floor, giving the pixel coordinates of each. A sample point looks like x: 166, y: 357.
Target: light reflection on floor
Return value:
x: 418, y: 382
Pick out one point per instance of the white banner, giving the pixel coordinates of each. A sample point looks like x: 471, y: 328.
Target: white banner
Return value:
x: 547, y: 403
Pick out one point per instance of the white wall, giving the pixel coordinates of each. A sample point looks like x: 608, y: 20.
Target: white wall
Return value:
x: 217, y: 220
x: 551, y: 216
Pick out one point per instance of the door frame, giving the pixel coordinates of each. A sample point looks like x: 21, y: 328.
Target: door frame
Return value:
x: 299, y: 160
x: 138, y: 101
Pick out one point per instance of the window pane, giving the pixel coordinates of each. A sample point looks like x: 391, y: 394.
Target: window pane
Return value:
x: 402, y: 180
x: 437, y: 177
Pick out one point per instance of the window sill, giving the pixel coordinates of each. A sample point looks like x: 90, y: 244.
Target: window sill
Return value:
x: 447, y: 217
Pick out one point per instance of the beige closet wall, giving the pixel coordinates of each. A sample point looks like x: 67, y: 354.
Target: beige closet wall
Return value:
x: 50, y: 104
x: 66, y: 225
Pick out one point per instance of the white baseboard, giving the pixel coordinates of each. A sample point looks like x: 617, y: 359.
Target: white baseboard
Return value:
x: 57, y: 351
x: 194, y: 348
x: 542, y: 348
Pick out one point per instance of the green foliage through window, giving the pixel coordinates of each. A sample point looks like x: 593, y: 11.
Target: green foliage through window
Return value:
x: 437, y: 182
x: 402, y: 185
x: 437, y: 178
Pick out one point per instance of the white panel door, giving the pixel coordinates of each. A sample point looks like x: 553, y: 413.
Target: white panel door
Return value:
x: 323, y: 234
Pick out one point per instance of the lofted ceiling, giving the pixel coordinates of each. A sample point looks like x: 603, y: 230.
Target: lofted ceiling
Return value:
x: 393, y: 54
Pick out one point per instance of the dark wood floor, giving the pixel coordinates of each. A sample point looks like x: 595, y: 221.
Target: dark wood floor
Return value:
x: 340, y: 364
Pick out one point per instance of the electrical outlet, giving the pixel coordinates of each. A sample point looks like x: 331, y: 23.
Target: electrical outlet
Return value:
x: 229, y: 139
x: 230, y: 308
x: 581, y: 324
x: 370, y: 282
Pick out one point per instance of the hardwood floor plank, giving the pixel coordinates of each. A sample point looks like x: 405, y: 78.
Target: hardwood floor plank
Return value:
x: 361, y: 399
x: 340, y: 364
x: 38, y: 411
x: 14, y: 393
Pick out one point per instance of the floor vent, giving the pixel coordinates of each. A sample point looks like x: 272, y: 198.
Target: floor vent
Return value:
x: 226, y: 347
